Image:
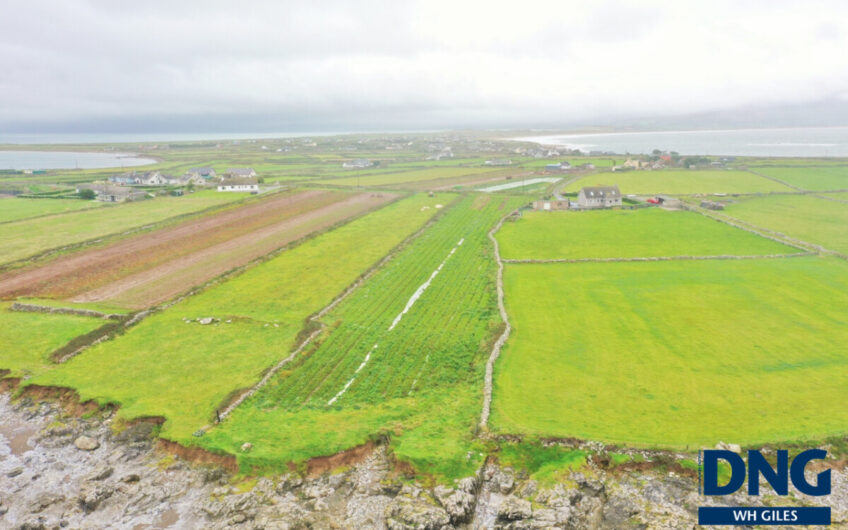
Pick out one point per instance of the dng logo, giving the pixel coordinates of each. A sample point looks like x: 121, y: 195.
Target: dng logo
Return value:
x: 777, y: 477
x: 758, y: 467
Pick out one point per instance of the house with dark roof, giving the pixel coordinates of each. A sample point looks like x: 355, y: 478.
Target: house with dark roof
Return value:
x: 599, y: 197
x: 205, y: 172
x: 241, y: 172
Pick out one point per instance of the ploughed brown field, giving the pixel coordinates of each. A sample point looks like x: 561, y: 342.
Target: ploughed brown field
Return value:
x: 150, y: 268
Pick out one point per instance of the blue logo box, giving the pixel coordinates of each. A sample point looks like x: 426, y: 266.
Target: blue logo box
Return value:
x: 770, y: 516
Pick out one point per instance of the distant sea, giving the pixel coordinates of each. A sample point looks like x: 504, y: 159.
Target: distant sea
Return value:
x: 36, y: 160
x: 789, y: 142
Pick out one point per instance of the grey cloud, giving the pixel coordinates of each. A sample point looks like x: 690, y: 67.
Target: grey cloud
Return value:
x: 118, y: 65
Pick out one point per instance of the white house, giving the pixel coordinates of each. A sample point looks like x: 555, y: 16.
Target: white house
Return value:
x: 248, y: 185
x: 599, y: 197
x: 359, y: 163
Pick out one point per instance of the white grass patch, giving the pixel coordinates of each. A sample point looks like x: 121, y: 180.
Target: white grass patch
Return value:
x: 352, y: 379
x: 423, y: 287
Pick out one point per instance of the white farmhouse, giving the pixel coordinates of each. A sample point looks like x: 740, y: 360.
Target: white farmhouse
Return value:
x: 599, y: 197
x: 237, y: 184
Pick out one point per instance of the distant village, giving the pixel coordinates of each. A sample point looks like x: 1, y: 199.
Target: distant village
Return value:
x: 135, y: 185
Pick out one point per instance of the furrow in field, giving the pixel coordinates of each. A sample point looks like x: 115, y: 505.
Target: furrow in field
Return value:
x: 88, y: 269
x: 159, y: 283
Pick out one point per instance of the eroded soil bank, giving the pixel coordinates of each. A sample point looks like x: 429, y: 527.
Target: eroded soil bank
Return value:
x: 60, y: 471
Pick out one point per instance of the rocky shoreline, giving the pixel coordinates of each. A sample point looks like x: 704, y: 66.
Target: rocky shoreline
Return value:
x: 65, y: 471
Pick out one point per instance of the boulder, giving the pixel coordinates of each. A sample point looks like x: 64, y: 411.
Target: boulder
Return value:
x: 458, y: 503
x: 91, y: 495
x: 86, y: 443
x: 405, y: 513
x: 101, y: 472
x: 513, y: 509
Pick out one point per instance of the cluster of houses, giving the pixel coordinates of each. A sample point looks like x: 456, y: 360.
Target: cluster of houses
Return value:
x: 125, y: 186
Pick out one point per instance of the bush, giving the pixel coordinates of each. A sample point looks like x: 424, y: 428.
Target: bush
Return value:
x: 87, y: 195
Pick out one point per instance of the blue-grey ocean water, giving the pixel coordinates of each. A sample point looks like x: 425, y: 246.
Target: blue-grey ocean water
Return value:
x: 794, y: 142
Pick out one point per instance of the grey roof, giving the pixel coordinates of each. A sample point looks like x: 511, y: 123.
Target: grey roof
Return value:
x: 240, y: 171
x: 239, y: 181
x: 601, y: 191
x: 201, y: 170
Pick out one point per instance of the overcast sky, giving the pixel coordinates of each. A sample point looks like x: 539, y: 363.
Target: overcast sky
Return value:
x: 181, y: 65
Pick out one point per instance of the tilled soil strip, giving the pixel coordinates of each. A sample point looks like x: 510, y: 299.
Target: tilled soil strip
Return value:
x: 86, y: 264
x: 168, y: 279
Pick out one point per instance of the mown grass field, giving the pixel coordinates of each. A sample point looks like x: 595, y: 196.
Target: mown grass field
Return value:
x: 680, y: 354
x: 184, y: 371
x: 626, y: 233
x: 25, y: 238
x: 406, y: 177
x: 14, y: 209
x: 680, y: 182
x: 804, y: 217
x: 28, y: 339
x: 809, y: 178
x: 346, y: 391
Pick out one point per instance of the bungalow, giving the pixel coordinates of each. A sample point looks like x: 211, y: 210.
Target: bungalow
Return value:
x: 359, y: 163
x: 194, y: 178
x: 239, y: 184
x: 599, y: 197
x: 107, y: 192
x: 562, y: 166
x: 635, y: 163
x: 124, y: 178
x: 498, y: 162
x: 241, y: 172
x: 204, y: 172
x: 151, y: 178
x: 132, y: 178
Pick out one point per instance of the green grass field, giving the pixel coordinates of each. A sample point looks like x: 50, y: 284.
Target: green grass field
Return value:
x: 680, y: 182
x: 189, y: 370
x: 805, y: 217
x: 28, y: 339
x: 676, y: 353
x: 389, y: 179
x: 347, y: 390
x: 15, y: 209
x: 626, y: 233
x: 45, y: 233
x: 809, y: 178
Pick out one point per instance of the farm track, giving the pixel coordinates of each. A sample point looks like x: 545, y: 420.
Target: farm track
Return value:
x: 187, y: 254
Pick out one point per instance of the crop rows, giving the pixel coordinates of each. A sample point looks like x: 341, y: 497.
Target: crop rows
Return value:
x: 436, y: 343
